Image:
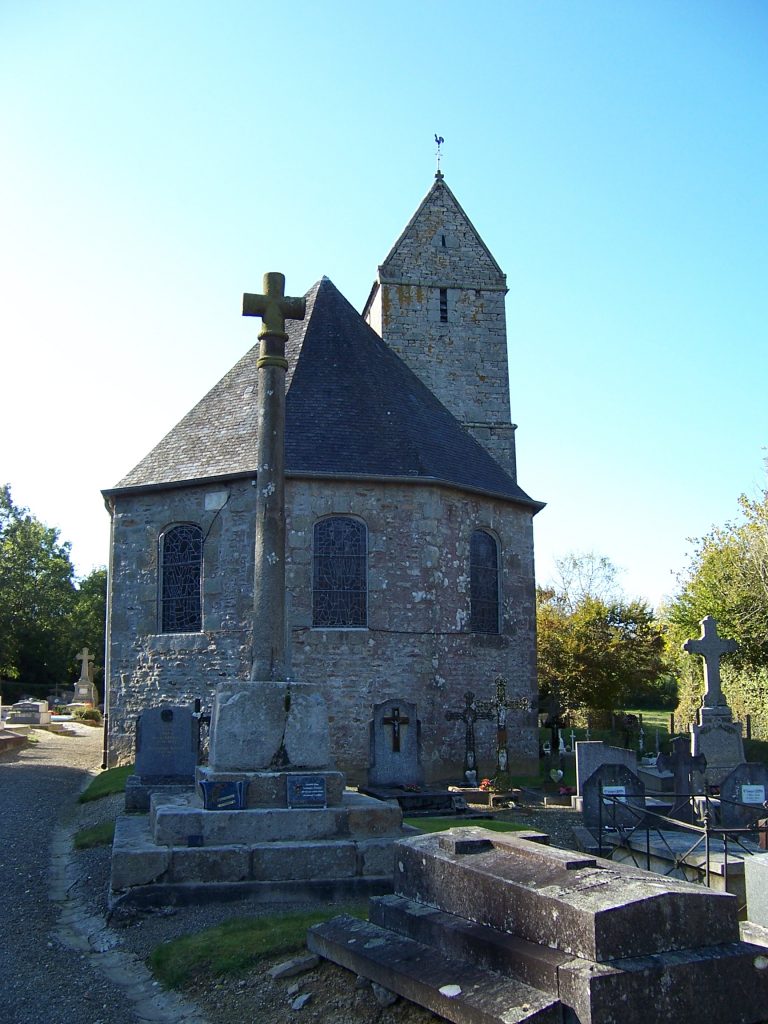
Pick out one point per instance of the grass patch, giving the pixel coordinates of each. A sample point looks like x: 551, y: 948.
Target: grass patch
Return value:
x: 441, y: 824
x: 95, y: 835
x: 111, y: 781
x: 236, y: 945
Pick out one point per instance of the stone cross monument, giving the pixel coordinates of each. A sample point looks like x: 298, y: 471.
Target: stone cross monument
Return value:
x: 269, y: 723
x: 715, y: 735
x: 711, y: 647
x: 84, y: 689
x: 268, y: 659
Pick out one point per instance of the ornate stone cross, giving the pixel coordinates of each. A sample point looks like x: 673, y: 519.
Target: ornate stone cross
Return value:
x: 395, y: 720
x: 268, y: 659
x: 84, y: 657
x: 497, y: 708
x: 711, y: 647
x: 469, y: 714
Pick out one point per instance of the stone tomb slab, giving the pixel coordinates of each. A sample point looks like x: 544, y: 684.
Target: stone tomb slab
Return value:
x: 395, y: 745
x: 743, y: 794
x: 585, y: 906
x: 622, y: 794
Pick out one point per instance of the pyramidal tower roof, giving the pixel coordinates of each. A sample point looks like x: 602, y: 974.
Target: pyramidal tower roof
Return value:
x: 353, y: 410
x: 438, y: 229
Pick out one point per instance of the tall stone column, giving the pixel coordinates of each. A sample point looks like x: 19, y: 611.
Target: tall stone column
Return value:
x: 267, y: 723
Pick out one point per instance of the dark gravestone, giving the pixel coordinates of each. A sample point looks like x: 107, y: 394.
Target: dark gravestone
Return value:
x: 743, y: 795
x: 166, y: 753
x: 688, y: 770
x: 395, y: 745
x: 614, y: 797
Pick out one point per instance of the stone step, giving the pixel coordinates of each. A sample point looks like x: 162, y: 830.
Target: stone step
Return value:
x: 450, y: 987
x: 484, y: 947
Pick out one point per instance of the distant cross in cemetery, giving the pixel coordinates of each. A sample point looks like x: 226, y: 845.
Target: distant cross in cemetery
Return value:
x: 395, y: 721
x: 469, y: 714
x: 686, y: 767
x: 497, y: 708
x: 711, y: 647
x: 84, y: 657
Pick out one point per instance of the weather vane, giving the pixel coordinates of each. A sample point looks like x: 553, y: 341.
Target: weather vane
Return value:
x: 439, y: 140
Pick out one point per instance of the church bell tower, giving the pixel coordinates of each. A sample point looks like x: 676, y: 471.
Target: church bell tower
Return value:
x: 438, y: 302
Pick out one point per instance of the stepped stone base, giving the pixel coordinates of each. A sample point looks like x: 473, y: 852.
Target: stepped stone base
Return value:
x: 511, y: 930
x: 180, y: 843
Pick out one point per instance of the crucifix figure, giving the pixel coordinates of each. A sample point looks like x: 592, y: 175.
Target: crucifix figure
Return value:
x: 268, y: 659
x: 395, y: 720
x: 497, y: 709
x: 85, y: 657
x: 711, y: 648
x: 469, y: 714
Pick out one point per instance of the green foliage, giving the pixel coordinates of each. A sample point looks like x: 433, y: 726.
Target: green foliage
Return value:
x: 45, y: 616
x: 88, y: 715
x: 594, y: 654
x: 237, y: 945
x: 95, y: 835
x: 728, y: 579
x: 111, y: 781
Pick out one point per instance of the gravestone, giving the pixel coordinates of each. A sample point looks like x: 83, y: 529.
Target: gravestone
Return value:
x: 756, y: 881
x: 743, y: 795
x: 688, y: 772
x: 85, y: 691
x: 29, y: 712
x: 395, y: 745
x: 715, y: 735
x: 166, y: 754
x: 591, y: 754
x: 622, y: 794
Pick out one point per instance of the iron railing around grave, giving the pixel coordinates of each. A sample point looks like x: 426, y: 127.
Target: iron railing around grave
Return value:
x: 705, y: 808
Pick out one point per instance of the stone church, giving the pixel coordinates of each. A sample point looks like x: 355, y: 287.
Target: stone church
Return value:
x: 409, y: 562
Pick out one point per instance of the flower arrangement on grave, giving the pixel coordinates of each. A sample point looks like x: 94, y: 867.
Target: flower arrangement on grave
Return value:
x: 487, y: 785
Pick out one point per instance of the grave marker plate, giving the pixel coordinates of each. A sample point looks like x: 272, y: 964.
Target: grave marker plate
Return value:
x: 307, y: 791
x: 753, y: 794
x: 742, y: 795
x: 223, y: 796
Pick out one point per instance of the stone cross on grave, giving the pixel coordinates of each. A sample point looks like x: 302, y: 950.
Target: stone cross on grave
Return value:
x: 497, y: 708
x: 711, y: 648
x: 469, y: 714
x: 84, y: 657
x: 268, y: 660
x: 687, y: 768
x: 395, y: 720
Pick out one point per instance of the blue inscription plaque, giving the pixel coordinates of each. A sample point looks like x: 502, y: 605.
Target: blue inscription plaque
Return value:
x: 223, y: 796
x: 306, y: 791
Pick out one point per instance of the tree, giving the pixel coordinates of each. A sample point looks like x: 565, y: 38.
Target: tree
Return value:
x: 728, y: 579
x: 595, y: 653
x: 37, y: 596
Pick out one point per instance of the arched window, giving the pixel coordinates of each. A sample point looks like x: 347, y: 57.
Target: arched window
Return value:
x: 483, y: 583
x: 340, y: 573
x: 181, y: 552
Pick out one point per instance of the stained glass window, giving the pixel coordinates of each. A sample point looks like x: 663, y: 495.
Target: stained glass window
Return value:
x: 483, y: 583
x: 340, y: 576
x: 182, y: 562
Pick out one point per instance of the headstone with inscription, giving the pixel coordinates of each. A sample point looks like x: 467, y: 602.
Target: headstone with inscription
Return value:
x: 743, y: 795
x: 29, y: 712
x: 395, y: 745
x: 166, y: 754
x: 591, y: 754
x: 613, y: 797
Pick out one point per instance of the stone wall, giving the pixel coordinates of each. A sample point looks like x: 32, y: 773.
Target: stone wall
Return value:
x: 463, y: 360
x: 416, y: 645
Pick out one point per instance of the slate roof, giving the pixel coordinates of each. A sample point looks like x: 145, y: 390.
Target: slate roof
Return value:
x: 353, y: 410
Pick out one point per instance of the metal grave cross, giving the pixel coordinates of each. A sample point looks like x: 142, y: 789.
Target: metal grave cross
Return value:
x: 711, y: 647
x: 497, y: 708
x: 395, y: 720
x: 469, y: 714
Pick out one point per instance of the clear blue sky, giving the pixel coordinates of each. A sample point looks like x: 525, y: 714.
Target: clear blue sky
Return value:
x: 157, y: 157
